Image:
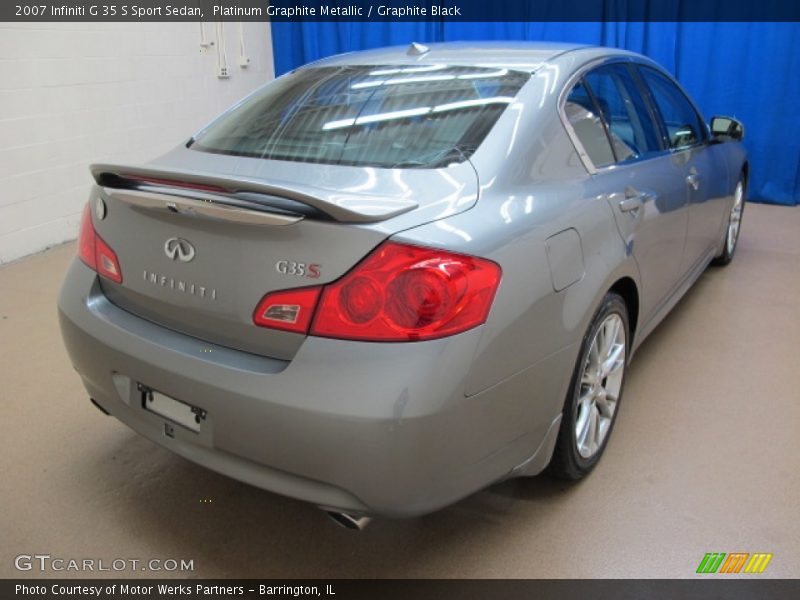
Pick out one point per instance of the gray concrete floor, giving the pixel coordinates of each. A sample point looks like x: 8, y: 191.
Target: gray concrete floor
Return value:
x: 705, y: 457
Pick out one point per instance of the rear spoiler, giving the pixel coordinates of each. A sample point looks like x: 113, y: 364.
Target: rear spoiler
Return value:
x: 348, y: 208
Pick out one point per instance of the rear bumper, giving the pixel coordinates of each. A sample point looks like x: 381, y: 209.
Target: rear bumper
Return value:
x: 361, y: 427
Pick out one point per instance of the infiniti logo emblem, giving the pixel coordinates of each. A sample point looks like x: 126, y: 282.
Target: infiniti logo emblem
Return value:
x: 179, y: 249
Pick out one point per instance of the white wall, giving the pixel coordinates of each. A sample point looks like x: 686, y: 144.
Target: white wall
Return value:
x: 76, y: 93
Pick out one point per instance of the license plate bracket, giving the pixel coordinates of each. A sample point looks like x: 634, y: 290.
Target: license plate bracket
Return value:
x: 174, y: 410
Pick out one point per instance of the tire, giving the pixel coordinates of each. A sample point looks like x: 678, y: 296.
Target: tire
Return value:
x: 581, y: 442
x: 733, y: 228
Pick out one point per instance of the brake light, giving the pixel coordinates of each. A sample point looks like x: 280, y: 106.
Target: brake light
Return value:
x: 290, y: 310
x: 202, y: 187
x: 399, y: 293
x: 94, y: 251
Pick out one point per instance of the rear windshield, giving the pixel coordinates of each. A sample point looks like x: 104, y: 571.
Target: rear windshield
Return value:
x: 379, y: 116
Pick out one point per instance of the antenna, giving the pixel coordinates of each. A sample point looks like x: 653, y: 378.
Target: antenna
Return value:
x: 417, y: 49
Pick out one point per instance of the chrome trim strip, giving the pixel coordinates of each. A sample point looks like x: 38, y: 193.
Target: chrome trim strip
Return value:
x: 200, y: 205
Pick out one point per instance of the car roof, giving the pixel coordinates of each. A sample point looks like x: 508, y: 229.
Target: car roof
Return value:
x: 526, y: 56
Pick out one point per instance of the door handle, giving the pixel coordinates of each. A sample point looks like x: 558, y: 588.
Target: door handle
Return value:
x: 693, y: 179
x: 634, y: 200
x: 631, y: 204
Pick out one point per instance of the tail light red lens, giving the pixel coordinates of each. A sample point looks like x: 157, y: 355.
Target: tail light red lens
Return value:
x: 399, y: 293
x: 93, y: 250
x: 107, y: 262
x: 86, y: 239
x: 406, y: 293
x: 290, y: 310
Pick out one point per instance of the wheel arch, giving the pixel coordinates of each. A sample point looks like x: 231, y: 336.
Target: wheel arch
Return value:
x: 626, y: 287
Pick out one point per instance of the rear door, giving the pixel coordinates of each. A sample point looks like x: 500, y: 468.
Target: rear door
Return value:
x: 641, y: 182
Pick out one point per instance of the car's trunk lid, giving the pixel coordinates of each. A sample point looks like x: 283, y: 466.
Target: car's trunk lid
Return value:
x: 201, y: 238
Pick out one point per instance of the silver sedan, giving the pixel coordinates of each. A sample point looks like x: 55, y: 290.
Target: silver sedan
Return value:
x: 391, y: 278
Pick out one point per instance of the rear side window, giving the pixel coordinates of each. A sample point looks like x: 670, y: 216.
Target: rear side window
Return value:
x: 380, y: 116
x: 683, y: 124
x: 630, y: 126
x: 588, y: 126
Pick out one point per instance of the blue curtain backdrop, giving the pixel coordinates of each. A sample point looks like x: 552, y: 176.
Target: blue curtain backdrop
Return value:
x: 748, y: 70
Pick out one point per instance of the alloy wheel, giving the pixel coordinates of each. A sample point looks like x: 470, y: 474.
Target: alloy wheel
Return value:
x: 600, y: 386
x: 736, y: 218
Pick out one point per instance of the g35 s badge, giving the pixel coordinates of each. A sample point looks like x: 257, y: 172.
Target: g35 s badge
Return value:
x: 298, y: 269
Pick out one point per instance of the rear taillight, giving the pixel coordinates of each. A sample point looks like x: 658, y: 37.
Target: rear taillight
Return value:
x: 290, y: 310
x: 398, y: 293
x: 93, y: 250
x: 86, y: 239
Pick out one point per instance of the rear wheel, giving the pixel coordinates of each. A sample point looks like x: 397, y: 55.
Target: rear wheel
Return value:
x: 596, y: 389
x: 734, y: 225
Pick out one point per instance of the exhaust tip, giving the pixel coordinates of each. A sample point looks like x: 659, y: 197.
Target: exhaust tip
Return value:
x: 348, y: 521
x: 98, y: 407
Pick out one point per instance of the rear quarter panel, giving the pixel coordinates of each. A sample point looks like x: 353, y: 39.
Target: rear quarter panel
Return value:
x: 529, y: 320
x: 533, y: 186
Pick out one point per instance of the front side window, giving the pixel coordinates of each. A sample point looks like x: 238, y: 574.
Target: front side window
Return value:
x: 380, y: 116
x: 629, y: 123
x: 681, y: 121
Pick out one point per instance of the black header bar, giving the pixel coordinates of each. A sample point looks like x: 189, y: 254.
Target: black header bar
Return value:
x: 400, y: 11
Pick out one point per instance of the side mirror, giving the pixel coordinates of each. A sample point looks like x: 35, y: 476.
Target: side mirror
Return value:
x: 727, y: 128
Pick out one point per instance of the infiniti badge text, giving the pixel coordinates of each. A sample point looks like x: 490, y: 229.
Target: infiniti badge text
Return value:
x: 185, y: 287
